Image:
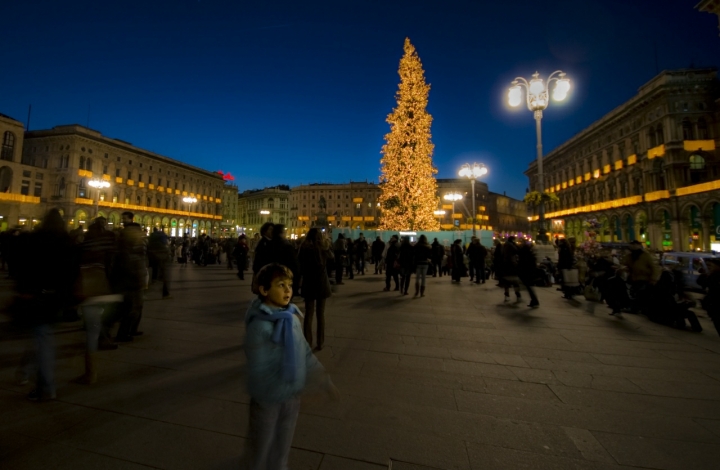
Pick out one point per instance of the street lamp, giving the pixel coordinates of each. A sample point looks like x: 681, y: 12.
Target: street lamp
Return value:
x: 537, y: 100
x: 452, y: 197
x: 472, y: 173
x: 98, y: 184
x: 189, y: 201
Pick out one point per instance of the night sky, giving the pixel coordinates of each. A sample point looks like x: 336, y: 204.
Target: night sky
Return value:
x: 291, y: 92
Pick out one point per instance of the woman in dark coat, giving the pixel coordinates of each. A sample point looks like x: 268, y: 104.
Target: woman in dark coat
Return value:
x: 458, y: 263
x: 315, y: 286
x: 406, y: 258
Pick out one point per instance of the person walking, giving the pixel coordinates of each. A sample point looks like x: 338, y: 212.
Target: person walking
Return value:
x: 44, y: 286
x: 241, y: 255
x: 361, y: 248
x: 458, y: 263
x: 94, y: 292
x: 392, y: 266
x: 340, y: 252
x: 378, y: 246
x: 642, y: 273
x: 477, y: 254
x: 422, y: 254
x: 129, y: 275
x: 159, y: 252
x: 315, y: 287
x: 406, y: 258
x: 263, y: 249
x: 284, y: 253
x: 350, y: 253
x: 566, y: 260
x: 497, y: 261
x: 527, y: 268
x: 229, y: 247
x: 510, y: 262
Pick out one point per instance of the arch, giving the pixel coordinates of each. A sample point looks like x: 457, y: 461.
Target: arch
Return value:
x: 113, y: 219
x: 616, y: 228
x: 146, y: 221
x: 80, y: 219
x: 629, y: 227
x: 697, y: 162
x: 8, y: 147
x: 6, y: 175
x: 101, y: 214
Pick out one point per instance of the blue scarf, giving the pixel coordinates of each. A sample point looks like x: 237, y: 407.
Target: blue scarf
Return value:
x: 282, y: 334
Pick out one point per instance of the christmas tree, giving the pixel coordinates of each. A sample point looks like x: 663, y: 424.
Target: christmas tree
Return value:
x: 408, y: 188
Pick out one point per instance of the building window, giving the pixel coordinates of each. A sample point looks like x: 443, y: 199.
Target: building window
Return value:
x: 25, y: 188
x: 105, y: 170
x: 117, y: 173
x: 82, y: 189
x: 697, y: 162
x: 88, y: 164
x: 660, y: 135
x: 129, y: 176
x: 38, y: 189
x: 8, y: 146
x: 702, y: 129
x: 140, y: 178
x: 687, y: 130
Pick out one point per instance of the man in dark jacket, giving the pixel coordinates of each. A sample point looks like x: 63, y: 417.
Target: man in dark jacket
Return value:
x: 263, y: 249
x: 378, y: 246
x: 458, y: 263
x: 129, y: 275
x: 527, y: 268
x: 391, y: 256
x: 438, y: 253
x: 477, y: 253
x: 361, y: 248
x: 285, y: 254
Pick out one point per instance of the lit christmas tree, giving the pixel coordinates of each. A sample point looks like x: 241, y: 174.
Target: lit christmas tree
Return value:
x: 409, y: 189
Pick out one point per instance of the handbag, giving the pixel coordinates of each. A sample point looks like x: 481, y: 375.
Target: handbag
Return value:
x: 591, y: 293
x: 571, y: 277
x: 92, y: 282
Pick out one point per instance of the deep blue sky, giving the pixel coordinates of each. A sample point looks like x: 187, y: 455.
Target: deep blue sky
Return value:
x: 297, y: 91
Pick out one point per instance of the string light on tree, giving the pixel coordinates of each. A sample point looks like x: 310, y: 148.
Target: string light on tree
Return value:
x: 408, y: 187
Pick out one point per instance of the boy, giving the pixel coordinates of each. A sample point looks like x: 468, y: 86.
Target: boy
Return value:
x: 280, y: 363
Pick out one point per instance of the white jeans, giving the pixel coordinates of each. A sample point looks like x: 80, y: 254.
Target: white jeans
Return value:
x: 271, y: 434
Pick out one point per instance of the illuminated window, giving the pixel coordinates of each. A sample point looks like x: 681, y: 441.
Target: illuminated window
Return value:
x: 697, y: 162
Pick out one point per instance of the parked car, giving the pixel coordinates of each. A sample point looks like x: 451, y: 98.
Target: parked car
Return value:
x: 692, y: 265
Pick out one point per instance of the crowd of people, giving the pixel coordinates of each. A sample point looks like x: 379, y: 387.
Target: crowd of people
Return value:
x: 102, y: 275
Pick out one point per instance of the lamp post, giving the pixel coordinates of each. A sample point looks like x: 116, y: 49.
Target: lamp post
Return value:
x: 537, y: 101
x: 189, y: 201
x: 452, y: 197
x: 472, y: 173
x: 98, y: 184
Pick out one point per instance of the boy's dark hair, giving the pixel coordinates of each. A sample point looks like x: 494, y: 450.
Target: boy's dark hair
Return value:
x: 267, y: 275
x: 129, y: 215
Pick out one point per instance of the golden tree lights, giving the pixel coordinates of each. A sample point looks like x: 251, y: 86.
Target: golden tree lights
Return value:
x: 408, y: 197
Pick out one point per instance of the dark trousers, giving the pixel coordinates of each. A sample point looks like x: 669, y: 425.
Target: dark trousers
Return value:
x: 164, y: 272
x: 338, y: 267
x: 391, y: 272
x: 229, y: 261
x: 457, y: 273
x: 437, y: 263
x: 376, y: 261
x: 405, y: 275
x: 477, y: 270
x: 360, y: 264
x: 313, y: 306
x: 350, y: 274
x: 130, y: 313
x: 527, y: 282
x: 241, y: 262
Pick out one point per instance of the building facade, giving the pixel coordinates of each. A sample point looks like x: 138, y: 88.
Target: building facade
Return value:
x: 257, y: 206
x: 23, y: 187
x: 458, y: 216
x: 647, y: 170
x: 509, y: 216
x: 150, y: 185
x: 710, y: 6
x: 230, y: 223
x: 353, y: 204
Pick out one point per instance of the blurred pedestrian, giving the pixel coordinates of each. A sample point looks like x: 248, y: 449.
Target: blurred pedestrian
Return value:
x: 263, y: 249
x: 315, y: 286
x: 476, y: 255
x: 129, y: 278
x: 44, y: 285
x: 406, y: 258
x: 340, y: 253
x: 392, y: 265
x: 377, y: 248
x: 422, y: 254
x: 457, y: 259
x: 241, y: 256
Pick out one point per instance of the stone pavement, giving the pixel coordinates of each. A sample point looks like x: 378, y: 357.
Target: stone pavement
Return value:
x: 455, y: 380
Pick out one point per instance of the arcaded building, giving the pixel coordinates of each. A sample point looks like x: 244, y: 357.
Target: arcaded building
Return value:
x: 648, y: 170
x: 62, y: 162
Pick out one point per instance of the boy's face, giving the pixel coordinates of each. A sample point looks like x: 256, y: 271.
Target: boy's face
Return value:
x: 279, y: 294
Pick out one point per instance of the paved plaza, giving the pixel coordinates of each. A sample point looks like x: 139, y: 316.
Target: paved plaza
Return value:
x: 455, y: 380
